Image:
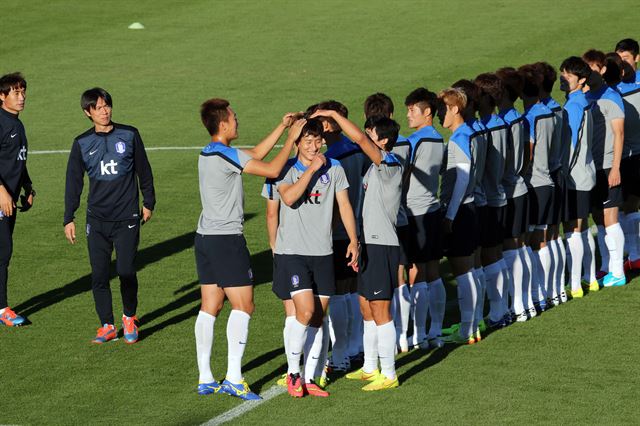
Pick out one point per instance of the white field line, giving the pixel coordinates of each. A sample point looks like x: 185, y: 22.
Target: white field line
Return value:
x: 153, y: 148
x: 245, y: 407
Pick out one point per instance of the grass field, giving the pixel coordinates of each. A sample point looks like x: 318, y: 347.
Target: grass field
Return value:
x: 576, y: 364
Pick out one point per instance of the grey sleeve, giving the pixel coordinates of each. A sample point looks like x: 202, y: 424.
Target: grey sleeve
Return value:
x: 341, y: 179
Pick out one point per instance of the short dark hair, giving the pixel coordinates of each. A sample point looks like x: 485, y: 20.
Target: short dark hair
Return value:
x: 614, y: 72
x: 491, y: 86
x: 593, y: 56
x: 212, y: 113
x: 89, y: 98
x: 512, y: 82
x: 313, y: 127
x: 549, y: 75
x: 386, y: 128
x: 334, y: 106
x: 471, y: 90
x: 423, y: 98
x: 576, y: 66
x: 378, y: 104
x: 310, y: 110
x: 628, y: 45
x: 531, y: 79
x: 15, y: 80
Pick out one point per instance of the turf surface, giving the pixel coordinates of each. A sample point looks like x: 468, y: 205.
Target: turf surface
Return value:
x: 576, y: 364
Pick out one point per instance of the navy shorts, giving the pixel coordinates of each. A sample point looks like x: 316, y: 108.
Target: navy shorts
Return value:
x: 280, y: 285
x: 577, y: 205
x: 630, y: 173
x: 378, y: 273
x: 425, y: 237
x: 516, y: 217
x: 490, y: 220
x: 341, y: 269
x: 223, y: 260
x: 403, y: 239
x: 308, y: 273
x: 541, y: 205
x: 463, y: 239
x: 603, y: 197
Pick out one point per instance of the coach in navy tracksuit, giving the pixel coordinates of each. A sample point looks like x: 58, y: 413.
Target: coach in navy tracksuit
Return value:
x: 113, y: 156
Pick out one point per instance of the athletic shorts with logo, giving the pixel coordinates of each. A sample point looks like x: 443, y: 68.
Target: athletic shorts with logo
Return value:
x: 280, y: 285
x: 603, y: 197
x: 223, y: 260
x: 308, y: 273
x: 378, y: 271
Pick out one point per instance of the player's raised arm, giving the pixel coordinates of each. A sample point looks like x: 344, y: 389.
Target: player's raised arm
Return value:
x: 265, y: 146
x: 291, y: 192
x: 272, y: 168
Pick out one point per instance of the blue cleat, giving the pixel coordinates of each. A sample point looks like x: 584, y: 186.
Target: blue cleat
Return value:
x: 209, y: 388
x: 611, y: 280
x: 10, y: 318
x: 240, y: 390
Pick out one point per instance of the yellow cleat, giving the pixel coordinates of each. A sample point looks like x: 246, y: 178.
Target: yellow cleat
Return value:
x: 282, y: 381
x: 362, y: 375
x: 577, y: 294
x: 594, y: 286
x: 322, y: 381
x: 381, y: 383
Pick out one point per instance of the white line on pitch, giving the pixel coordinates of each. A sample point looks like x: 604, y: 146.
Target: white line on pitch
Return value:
x: 245, y: 407
x: 153, y: 148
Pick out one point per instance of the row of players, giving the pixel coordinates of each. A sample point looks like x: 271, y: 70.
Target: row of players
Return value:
x: 508, y: 182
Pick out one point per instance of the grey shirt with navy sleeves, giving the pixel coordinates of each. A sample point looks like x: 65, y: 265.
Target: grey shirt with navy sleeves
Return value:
x: 494, y: 168
x: 402, y: 151
x: 630, y: 92
x: 578, y: 164
x: 606, y: 106
x: 512, y: 180
x: 540, y: 126
x: 427, y: 155
x: 459, y: 150
x: 555, y: 161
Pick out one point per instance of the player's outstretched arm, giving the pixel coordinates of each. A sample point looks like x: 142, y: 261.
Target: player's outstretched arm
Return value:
x: 273, y: 168
x: 266, y: 145
x: 349, y: 222
x: 354, y: 133
x: 290, y: 192
x: 617, y: 126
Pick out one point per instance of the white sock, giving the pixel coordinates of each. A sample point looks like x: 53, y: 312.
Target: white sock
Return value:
x: 437, y: 304
x: 527, y: 282
x: 285, y: 332
x: 562, y: 263
x: 312, y: 352
x: 204, y: 343
x: 2, y: 310
x: 553, y: 270
x: 355, y: 338
x: 544, y: 254
x: 370, y: 340
x: 297, y: 338
x: 603, y: 249
x: 467, y: 298
x: 419, y: 297
x: 576, y: 249
x: 517, y: 284
x: 615, y: 243
x: 508, y: 283
x: 237, y: 332
x: 402, y: 296
x: 589, y: 257
x: 480, y: 287
x: 320, y: 371
x: 495, y: 285
x: 633, y: 221
x: 338, y: 305
x: 386, y: 349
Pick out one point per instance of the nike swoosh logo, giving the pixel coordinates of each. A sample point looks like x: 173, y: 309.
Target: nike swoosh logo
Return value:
x: 314, y: 357
x: 131, y: 226
x: 296, y: 353
x: 242, y: 343
x: 14, y: 135
x: 377, y: 292
x: 93, y: 152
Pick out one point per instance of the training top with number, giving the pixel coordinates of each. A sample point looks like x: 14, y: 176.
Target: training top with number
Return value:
x: 354, y: 163
x: 304, y: 227
x: 427, y: 155
x: 630, y: 92
x: 402, y: 151
x: 606, y: 106
x: 383, y: 192
x: 580, y: 170
x: 555, y: 160
x: 459, y: 150
x: 13, y: 155
x: 480, y: 141
x: 539, y: 126
x: 512, y: 181
x: 498, y: 131
x: 112, y: 160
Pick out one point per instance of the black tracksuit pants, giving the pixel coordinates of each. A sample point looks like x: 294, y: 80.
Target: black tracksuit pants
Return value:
x: 7, y: 224
x: 102, y: 237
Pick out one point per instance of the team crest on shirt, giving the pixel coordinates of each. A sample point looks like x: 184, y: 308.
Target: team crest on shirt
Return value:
x: 120, y: 147
x: 324, y: 179
x: 295, y: 281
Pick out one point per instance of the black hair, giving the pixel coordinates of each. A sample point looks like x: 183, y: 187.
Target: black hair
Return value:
x: 334, y: 106
x: 532, y: 80
x: 472, y: 92
x: 313, y: 127
x: 378, y: 104
x: 386, y: 128
x: 423, y: 98
x: 89, y: 98
x: 512, y: 82
x: 490, y: 86
x: 576, y: 66
x: 628, y: 45
x: 15, y: 80
x: 212, y: 113
x: 614, y: 72
x: 549, y: 75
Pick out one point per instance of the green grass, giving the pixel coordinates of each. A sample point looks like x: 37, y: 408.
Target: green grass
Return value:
x: 575, y: 364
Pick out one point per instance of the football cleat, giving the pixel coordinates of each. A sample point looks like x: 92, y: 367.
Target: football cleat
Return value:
x: 563, y: 297
x: 241, y: 390
x: 321, y: 381
x: 594, y: 286
x: 600, y: 275
x: 533, y: 312
x: 494, y: 324
x: 282, y: 381
x: 362, y: 375
x: 522, y: 317
x: 478, y: 336
x: 314, y: 390
x: 631, y: 265
x: 105, y: 333
x: 435, y: 342
x: 458, y: 339
x: 451, y: 330
x: 382, y: 383
x: 11, y: 319
x: 611, y: 280
x: 576, y: 294
x: 209, y: 388
x: 130, y: 328
x: 294, y: 385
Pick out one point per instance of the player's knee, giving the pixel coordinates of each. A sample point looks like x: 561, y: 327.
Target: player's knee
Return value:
x: 126, y: 271
x: 212, y: 308
x: 304, y: 316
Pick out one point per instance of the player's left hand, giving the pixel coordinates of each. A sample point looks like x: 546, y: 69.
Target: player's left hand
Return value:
x: 290, y: 118
x: 614, y: 177
x: 352, y: 255
x: 322, y: 113
x: 27, y: 202
x: 146, y: 214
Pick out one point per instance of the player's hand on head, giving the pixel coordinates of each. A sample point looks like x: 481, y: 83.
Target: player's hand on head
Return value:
x: 290, y: 118
x: 70, y: 232
x: 296, y: 128
x: 318, y: 161
x: 322, y: 113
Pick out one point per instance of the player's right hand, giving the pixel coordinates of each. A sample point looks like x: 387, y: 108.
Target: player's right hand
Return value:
x: 318, y: 162
x: 296, y: 128
x: 70, y: 232
x: 290, y: 118
x: 6, y: 202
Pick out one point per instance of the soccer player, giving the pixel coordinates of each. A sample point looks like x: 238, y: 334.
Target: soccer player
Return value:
x: 578, y: 164
x: 114, y: 158
x: 381, y: 105
x: 459, y: 226
x: 629, y: 89
x: 516, y: 217
x: 222, y: 258
x: 608, y: 140
x: 555, y: 290
x: 540, y: 126
x: 378, y: 268
x: 495, y: 269
x: 307, y: 193
x: 14, y: 178
x: 425, y: 218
